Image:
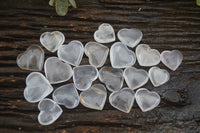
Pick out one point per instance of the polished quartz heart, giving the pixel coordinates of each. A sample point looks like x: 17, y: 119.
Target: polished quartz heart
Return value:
x: 71, y: 53
x: 57, y: 71
x: 135, y: 78
x: 121, y: 56
x: 32, y: 59
x: 171, y: 59
x: 147, y: 100
x: 94, y: 97
x: 130, y: 37
x: 112, y: 78
x: 50, y: 111
x: 122, y: 100
x: 147, y: 56
x: 97, y: 53
x: 66, y: 95
x: 52, y: 40
x: 104, y: 34
x: 37, y: 87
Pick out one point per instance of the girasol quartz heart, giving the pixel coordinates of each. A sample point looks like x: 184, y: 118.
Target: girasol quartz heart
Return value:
x: 97, y: 53
x: 147, y: 100
x: 121, y: 56
x: 32, y: 59
x: 37, y: 87
x: 50, y: 111
x: 94, y: 97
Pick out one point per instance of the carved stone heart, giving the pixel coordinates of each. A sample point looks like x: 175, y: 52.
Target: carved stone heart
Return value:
x: 104, y: 34
x: 50, y: 111
x: 147, y: 56
x: 130, y: 37
x: 32, y: 59
x: 37, y: 87
x: 57, y: 71
x: 52, y: 40
x: 171, y: 59
x: 71, y: 53
x: 121, y: 56
x: 97, y: 53
x: 147, y: 100
x: 122, y: 100
x: 94, y: 97
x: 135, y: 78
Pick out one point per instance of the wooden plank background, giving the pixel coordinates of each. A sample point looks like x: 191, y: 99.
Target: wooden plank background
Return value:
x: 169, y: 24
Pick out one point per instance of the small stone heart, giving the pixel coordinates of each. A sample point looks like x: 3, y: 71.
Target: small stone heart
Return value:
x: 52, y: 40
x: 37, y: 87
x: 122, y: 100
x: 71, y: 53
x: 50, y: 111
x: 147, y: 56
x: 32, y: 59
x: 135, y: 78
x: 57, y: 71
x: 112, y: 78
x: 97, y: 53
x: 130, y: 37
x: 104, y: 34
x: 171, y: 59
x: 121, y: 56
x: 84, y: 76
x: 147, y: 100
x: 66, y: 95
x: 94, y: 97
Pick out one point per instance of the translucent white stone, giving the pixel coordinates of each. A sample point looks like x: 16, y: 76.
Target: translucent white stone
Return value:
x: 121, y: 56
x: 104, y: 34
x: 112, y: 78
x: 57, y: 71
x: 147, y: 56
x: 52, y: 40
x: 97, y: 53
x: 122, y: 100
x: 84, y: 76
x: 67, y: 95
x: 71, y: 53
x: 50, y: 111
x: 94, y: 97
x: 147, y: 100
x: 37, y: 87
x: 135, y: 78
x: 32, y: 59
x: 171, y: 59
x: 130, y: 37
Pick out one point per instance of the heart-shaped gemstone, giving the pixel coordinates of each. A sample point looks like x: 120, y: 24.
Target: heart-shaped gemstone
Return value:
x: 112, y: 78
x: 97, y: 53
x: 147, y: 100
x: 130, y: 37
x: 94, y: 97
x: 50, y: 111
x: 171, y: 59
x: 37, y: 87
x: 84, y: 76
x: 52, y: 40
x: 158, y: 76
x: 147, y: 56
x: 57, y: 71
x: 32, y: 59
x: 122, y: 100
x: 71, y: 53
x: 121, y: 56
x: 135, y: 78
x: 104, y: 34
x: 66, y: 95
